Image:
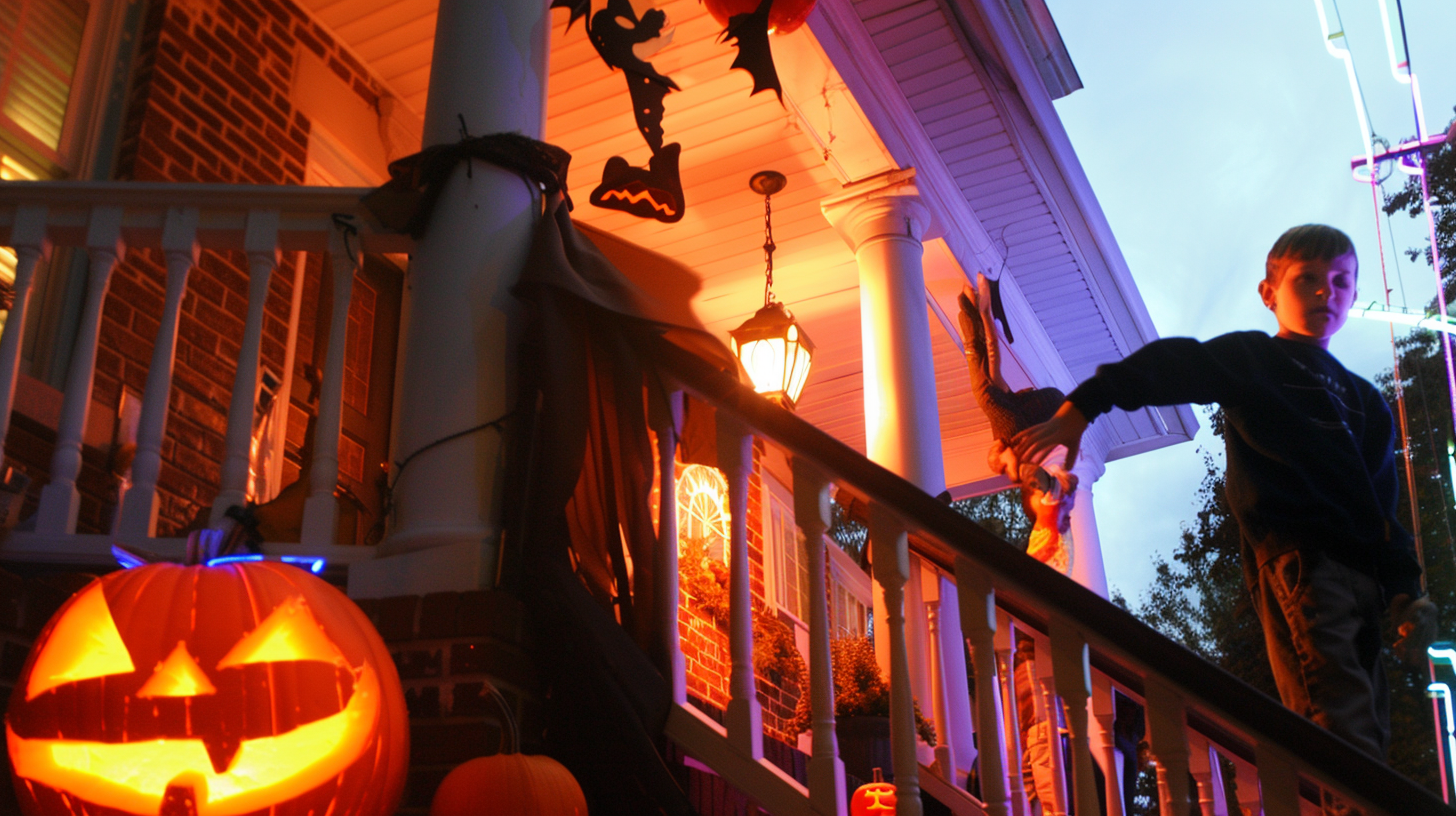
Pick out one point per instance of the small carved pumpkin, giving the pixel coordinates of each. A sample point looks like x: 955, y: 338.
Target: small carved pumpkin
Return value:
x: 167, y: 690
x: 875, y: 798
x: 784, y: 16
x: 520, y: 784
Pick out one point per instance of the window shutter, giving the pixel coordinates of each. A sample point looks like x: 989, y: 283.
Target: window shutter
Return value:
x: 40, y: 42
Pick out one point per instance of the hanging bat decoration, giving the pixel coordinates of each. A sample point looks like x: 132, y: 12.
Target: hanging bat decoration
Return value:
x: 652, y: 193
x: 750, y: 35
x: 656, y: 191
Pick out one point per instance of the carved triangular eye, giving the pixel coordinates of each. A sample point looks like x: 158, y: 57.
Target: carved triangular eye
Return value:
x: 177, y: 676
x: 289, y: 633
x: 84, y: 644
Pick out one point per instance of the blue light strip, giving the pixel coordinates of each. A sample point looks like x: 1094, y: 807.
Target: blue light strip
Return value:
x: 308, y: 562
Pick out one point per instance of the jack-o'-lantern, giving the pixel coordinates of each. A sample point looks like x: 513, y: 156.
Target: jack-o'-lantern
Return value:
x: 875, y: 798
x: 167, y: 690
x: 783, y: 16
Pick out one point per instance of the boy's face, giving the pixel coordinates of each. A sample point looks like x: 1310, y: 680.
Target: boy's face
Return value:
x: 1312, y: 299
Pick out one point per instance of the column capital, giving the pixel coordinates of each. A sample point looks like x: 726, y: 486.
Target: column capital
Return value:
x: 1089, y: 469
x: 883, y: 205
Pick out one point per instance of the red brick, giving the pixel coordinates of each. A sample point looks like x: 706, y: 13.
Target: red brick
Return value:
x: 438, y: 614
x: 396, y: 617
x: 308, y: 41
x: 451, y: 743
x: 422, y: 702
x: 12, y: 593
x: 417, y: 664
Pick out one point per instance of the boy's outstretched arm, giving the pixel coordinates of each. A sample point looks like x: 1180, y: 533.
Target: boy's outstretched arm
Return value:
x: 1064, y: 428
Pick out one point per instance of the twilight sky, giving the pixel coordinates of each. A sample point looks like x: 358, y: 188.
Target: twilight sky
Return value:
x: 1206, y: 130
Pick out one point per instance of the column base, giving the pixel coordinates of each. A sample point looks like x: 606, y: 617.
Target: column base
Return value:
x: 60, y: 504
x: 138, y: 518
x: 460, y: 567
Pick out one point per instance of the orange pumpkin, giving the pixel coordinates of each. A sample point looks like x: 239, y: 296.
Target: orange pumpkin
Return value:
x: 784, y: 16
x: 511, y: 783
x: 216, y: 691
x: 875, y: 798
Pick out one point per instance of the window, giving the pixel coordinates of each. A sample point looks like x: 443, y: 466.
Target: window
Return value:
x: 40, y: 45
x: 702, y: 509
x: 786, y: 552
x: 850, y: 595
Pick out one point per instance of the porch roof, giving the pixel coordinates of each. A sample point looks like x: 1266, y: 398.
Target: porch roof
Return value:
x: 954, y: 88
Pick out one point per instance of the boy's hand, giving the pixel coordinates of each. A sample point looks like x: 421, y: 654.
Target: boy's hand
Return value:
x: 1064, y: 428
x: 1415, y: 620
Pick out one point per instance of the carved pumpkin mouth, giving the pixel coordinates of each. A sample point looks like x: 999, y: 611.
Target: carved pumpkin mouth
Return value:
x: 160, y: 776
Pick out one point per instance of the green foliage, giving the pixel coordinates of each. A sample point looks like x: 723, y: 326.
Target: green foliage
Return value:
x: 1442, y: 183
x: 859, y: 690
x: 1000, y: 514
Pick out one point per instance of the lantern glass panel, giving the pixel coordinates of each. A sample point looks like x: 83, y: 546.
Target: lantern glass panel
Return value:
x: 766, y: 361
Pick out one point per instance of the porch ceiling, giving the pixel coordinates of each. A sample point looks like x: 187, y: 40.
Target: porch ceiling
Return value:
x: 727, y: 135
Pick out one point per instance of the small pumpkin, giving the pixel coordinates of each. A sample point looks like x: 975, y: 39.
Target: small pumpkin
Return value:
x: 210, y: 691
x: 875, y: 798
x: 784, y: 16
x: 519, y: 784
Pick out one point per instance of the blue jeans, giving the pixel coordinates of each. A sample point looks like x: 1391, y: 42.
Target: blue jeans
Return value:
x: 1321, y: 624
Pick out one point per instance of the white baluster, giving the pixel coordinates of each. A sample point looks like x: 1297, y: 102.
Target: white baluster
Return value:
x: 1047, y: 708
x: 667, y: 418
x: 59, y: 501
x: 1204, y: 764
x: 1168, y: 741
x: 321, y: 510
x: 978, y: 623
x: 260, y: 240
x: 1006, y: 635
x: 826, y: 769
x: 891, y: 555
x: 944, y: 754
x: 28, y: 237
x: 1246, y: 781
x: 1104, y: 712
x: 744, y: 719
x: 139, y: 505
x: 1073, y: 677
x: 1278, y: 783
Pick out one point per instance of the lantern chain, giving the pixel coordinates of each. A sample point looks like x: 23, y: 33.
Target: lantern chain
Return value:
x: 768, y: 249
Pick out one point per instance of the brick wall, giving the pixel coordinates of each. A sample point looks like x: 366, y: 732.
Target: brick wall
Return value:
x: 447, y: 646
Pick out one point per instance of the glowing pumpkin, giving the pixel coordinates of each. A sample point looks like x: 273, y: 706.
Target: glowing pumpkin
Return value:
x: 784, y: 16
x: 210, y: 691
x: 875, y: 798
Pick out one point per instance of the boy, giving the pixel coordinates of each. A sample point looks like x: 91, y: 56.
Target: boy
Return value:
x: 1311, y: 482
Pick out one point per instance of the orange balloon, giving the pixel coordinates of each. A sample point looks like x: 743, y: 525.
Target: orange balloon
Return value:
x: 783, y: 17
x: 519, y: 784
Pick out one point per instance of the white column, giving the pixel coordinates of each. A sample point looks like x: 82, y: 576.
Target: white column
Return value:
x: 59, y: 501
x: 1074, y: 687
x: 1104, y: 716
x: 890, y: 550
x: 744, y: 717
x: 1087, y: 566
x: 667, y: 423
x: 260, y: 241
x: 944, y: 754
x: 28, y: 237
x: 321, y: 510
x: 883, y: 221
x: 139, y: 505
x: 1204, y: 762
x: 952, y: 645
x: 1004, y: 640
x: 489, y: 69
x: 1168, y: 741
x: 826, y: 769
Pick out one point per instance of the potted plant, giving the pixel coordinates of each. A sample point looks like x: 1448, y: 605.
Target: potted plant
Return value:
x: 861, y: 709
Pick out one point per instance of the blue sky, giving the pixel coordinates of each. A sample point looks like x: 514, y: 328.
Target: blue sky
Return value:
x: 1206, y: 130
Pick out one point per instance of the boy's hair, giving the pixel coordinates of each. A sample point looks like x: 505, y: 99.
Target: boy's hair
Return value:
x: 1306, y: 242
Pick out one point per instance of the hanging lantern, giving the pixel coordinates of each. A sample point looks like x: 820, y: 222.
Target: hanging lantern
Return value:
x: 774, y: 351
x: 783, y: 17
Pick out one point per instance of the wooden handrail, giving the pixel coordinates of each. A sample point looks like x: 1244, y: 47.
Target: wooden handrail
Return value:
x: 1113, y: 633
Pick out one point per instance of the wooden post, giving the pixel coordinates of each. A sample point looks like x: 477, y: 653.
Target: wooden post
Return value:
x: 1005, y: 636
x: 1203, y: 762
x: 667, y: 423
x: 1168, y: 740
x: 28, y: 237
x: 59, y: 501
x: 321, y: 510
x: 826, y: 770
x: 744, y: 718
x: 1047, y: 709
x: 260, y: 240
x: 891, y: 554
x: 1104, y: 710
x: 1278, y: 783
x: 1073, y: 677
x: 139, y: 505
x: 978, y: 623
x: 944, y: 754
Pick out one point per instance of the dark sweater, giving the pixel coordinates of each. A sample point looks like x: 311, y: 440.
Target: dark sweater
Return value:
x: 1311, y: 462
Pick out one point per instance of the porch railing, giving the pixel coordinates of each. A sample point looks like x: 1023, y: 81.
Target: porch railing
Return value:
x: 106, y: 220
x: 1087, y: 649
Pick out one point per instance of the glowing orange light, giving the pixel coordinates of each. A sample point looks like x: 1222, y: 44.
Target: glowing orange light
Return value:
x: 177, y: 676
x: 289, y: 633
x: 85, y: 644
